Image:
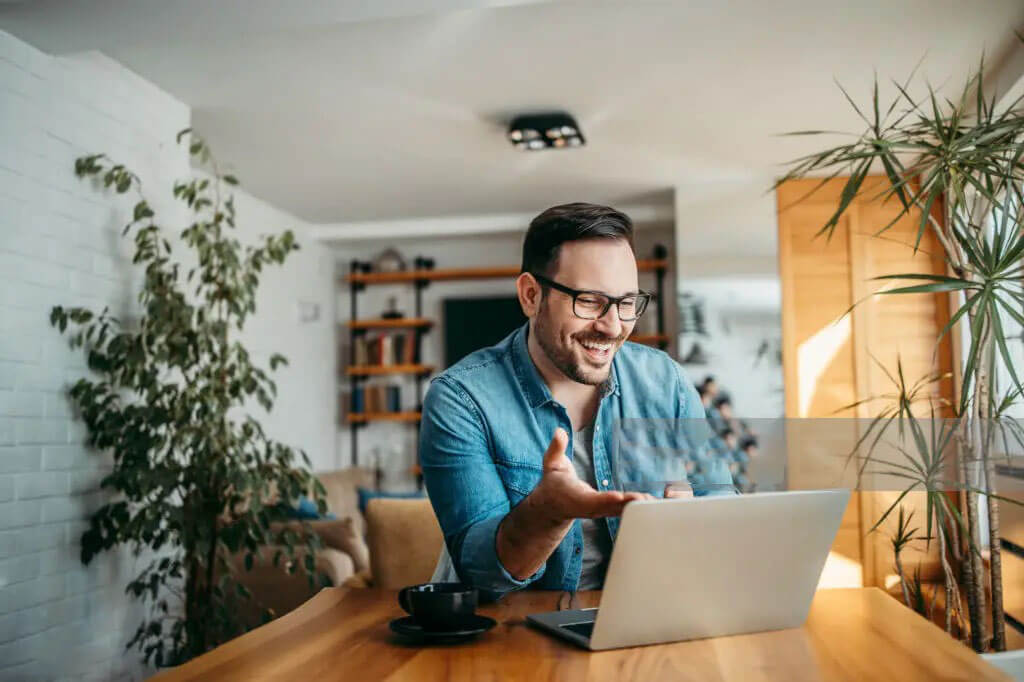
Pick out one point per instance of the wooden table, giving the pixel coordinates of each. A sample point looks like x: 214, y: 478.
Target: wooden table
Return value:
x: 342, y: 634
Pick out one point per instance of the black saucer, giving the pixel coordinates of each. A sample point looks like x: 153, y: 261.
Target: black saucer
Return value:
x: 474, y: 625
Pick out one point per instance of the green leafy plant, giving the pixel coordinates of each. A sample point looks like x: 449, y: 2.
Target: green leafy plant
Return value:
x: 195, y: 479
x: 917, y: 595
x: 903, y: 536
x: 919, y: 452
x: 958, y: 165
x: 913, y: 590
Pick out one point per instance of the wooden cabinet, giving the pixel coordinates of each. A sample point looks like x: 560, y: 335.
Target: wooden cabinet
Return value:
x: 832, y: 359
x: 1010, y: 484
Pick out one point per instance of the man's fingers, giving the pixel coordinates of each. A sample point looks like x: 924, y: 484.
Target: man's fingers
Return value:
x: 678, y: 489
x: 555, y: 456
x: 609, y: 503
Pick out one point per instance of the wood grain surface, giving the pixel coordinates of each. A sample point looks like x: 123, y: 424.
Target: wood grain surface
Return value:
x: 342, y: 634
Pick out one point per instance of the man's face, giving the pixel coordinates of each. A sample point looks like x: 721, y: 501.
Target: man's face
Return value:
x: 725, y: 409
x: 583, y: 349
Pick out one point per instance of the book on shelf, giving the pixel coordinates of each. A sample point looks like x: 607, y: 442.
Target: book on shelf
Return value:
x: 396, y: 348
x: 409, y: 348
x: 375, y: 399
x: 360, y: 352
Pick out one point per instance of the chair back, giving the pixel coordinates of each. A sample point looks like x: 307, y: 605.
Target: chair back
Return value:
x: 405, y: 541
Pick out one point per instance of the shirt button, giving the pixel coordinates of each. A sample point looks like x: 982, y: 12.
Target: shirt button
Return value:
x: 577, y: 550
x: 605, y: 483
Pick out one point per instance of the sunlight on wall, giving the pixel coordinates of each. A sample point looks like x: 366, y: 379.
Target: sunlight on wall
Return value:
x: 840, y: 572
x: 815, y: 355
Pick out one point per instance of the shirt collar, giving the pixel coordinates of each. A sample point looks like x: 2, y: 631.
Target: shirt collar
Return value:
x: 532, y: 383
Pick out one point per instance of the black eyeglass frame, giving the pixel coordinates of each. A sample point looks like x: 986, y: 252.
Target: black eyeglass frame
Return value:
x: 640, y: 295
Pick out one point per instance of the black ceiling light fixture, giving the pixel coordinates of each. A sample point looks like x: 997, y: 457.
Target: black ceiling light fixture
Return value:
x: 533, y: 132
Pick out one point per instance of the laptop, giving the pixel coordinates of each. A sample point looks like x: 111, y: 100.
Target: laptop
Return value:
x: 706, y: 567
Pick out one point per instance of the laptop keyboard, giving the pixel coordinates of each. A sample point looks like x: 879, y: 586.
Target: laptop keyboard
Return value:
x: 585, y: 629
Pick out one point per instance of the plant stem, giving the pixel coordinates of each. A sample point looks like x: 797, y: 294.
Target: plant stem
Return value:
x: 903, y: 579
x: 947, y: 576
x: 995, y: 560
x: 976, y: 594
x: 995, y: 549
x: 211, y: 557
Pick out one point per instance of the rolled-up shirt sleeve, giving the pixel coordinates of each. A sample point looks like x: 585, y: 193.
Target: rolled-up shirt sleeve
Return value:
x: 465, y: 489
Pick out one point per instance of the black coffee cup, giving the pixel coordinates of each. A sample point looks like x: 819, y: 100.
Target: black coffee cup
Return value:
x: 439, y: 606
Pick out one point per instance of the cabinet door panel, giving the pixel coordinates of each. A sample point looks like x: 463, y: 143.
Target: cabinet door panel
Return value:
x: 831, y: 359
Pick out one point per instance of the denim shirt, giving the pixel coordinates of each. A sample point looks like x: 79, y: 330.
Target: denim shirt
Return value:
x: 486, y: 424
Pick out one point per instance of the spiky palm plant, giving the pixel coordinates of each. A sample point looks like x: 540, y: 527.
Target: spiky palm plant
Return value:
x: 958, y: 165
x: 901, y: 539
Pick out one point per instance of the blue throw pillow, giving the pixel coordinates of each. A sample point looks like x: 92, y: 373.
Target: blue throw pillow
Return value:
x: 307, y: 511
x: 365, y: 495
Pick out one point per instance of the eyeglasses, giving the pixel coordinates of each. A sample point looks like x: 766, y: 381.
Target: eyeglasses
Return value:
x: 593, y: 305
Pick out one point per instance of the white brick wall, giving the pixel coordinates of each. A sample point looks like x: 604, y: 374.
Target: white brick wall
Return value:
x: 60, y: 244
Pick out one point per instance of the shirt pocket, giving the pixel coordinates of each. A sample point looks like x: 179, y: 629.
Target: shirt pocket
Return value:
x: 519, y: 478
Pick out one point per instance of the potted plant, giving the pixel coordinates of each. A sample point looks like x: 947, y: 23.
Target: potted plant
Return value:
x: 959, y: 164
x: 195, y: 479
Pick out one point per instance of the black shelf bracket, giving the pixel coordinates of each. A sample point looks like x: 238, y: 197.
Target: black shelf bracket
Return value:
x: 660, y: 253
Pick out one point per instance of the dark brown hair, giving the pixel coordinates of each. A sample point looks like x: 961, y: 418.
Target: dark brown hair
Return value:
x: 569, y: 223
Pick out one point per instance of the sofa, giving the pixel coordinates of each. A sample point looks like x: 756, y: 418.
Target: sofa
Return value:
x: 343, y: 553
x: 396, y: 543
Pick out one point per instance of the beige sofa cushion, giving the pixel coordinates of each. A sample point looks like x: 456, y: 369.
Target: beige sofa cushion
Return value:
x: 339, y: 534
x: 342, y: 499
x: 335, y: 564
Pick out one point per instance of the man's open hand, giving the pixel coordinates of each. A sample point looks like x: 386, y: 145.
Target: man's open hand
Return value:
x: 561, y: 496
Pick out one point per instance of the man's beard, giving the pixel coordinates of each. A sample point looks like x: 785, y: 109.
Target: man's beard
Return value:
x: 563, y: 358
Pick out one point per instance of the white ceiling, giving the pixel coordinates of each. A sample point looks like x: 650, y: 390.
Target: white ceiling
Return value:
x: 353, y: 111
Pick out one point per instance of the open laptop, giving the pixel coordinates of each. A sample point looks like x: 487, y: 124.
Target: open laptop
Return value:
x: 706, y: 567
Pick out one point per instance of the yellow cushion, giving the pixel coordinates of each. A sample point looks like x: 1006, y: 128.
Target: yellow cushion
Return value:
x: 404, y: 539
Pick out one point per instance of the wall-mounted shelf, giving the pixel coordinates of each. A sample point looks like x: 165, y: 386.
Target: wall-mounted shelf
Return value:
x: 379, y: 370
x: 391, y: 323
x: 451, y: 274
x: 364, y: 417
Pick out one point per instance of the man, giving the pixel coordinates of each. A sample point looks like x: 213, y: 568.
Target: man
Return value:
x: 709, y: 386
x: 705, y: 397
x: 720, y: 414
x: 516, y: 439
x: 747, y: 450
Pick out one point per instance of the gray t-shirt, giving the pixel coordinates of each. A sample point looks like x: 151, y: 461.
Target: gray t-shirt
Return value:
x: 597, y: 543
